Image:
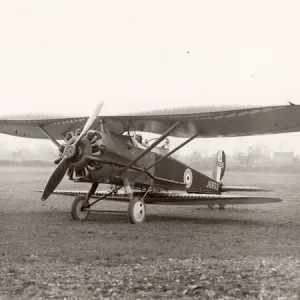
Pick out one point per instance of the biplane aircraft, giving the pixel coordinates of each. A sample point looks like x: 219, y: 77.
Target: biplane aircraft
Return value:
x: 101, y: 150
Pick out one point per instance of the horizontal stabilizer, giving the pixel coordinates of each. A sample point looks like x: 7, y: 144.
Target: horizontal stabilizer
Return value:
x: 237, y: 188
x: 179, y: 198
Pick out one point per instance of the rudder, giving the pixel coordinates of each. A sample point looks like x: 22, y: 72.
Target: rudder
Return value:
x: 219, y: 166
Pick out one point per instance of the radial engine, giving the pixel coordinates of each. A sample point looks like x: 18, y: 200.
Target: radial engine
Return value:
x: 91, y: 145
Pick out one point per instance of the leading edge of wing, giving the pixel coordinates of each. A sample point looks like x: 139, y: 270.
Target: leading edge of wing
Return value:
x: 186, y: 111
x: 209, y: 121
x: 26, y: 125
x: 39, y: 118
x: 189, y: 111
x: 179, y: 198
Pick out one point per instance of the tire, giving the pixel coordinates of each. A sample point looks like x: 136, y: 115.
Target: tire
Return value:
x: 136, y: 211
x: 76, y: 211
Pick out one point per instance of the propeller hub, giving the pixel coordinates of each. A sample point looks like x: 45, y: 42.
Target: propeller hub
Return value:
x: 70, y: 151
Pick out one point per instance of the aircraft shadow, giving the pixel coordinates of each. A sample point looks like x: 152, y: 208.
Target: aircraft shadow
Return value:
x: 152, y: 218
x: 111, y: 218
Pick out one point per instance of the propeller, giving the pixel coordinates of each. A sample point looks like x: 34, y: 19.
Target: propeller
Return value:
x: 89, y: 122
x: 69, y: 152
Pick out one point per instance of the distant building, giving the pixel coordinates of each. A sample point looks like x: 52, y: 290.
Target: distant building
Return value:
x: 283, y: 159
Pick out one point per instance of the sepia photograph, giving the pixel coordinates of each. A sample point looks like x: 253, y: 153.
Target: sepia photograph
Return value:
x: 149, y: 149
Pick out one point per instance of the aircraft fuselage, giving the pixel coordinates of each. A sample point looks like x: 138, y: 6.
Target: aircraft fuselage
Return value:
x: 169, y: 174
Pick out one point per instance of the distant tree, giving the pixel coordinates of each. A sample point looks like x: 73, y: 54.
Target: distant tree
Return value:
x: 296, y: 160
x: 20, y: 154
x: 251, y: 155
x: 14, y: 156
x: 40, y: 152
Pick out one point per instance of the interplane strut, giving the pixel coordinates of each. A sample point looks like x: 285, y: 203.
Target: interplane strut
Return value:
x: 48, y: 135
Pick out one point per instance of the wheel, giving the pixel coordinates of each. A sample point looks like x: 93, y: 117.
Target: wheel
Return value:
x: 136, y: 210
x: 76, y: 211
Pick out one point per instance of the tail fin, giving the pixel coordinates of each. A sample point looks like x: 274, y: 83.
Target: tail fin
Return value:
x: 219, y: 166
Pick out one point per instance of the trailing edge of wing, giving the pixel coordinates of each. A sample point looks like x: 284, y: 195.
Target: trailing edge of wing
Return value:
x: 180, y: 198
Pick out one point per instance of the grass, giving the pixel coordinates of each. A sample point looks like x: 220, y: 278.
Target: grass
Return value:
x: 45, y: 254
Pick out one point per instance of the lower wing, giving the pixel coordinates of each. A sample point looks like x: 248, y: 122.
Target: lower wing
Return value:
x: 178, y: 198
x: 236, y: 188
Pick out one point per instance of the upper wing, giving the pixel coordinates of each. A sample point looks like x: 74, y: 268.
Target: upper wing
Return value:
x: 209, y: 121
x: 28, y: 125
x: 212, y: 121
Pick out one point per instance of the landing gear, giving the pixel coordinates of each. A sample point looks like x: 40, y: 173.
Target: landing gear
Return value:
x: 80, y: 208
x: 136, y: 207
x: 136, y: 210
x: 77, y: 210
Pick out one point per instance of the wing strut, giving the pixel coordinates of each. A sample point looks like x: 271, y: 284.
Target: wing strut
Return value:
x: 165, y: 156
x: 174, y: 150
x: 152, y: 146
x: 47, y: 134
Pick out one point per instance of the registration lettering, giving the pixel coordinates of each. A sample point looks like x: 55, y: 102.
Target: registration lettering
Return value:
x: 212, y: 185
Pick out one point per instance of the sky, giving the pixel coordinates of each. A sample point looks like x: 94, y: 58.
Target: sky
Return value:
x: 66, y: 56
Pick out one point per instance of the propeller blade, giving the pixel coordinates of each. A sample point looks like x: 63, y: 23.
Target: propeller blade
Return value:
x: 64, y: 164
x: 89, y: 122
x: 56, y: 177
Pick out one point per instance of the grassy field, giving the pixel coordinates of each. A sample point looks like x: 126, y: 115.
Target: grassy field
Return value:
x: 246, y: 251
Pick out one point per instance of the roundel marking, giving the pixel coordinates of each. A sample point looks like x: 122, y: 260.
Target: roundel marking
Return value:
x: 188, y: 178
